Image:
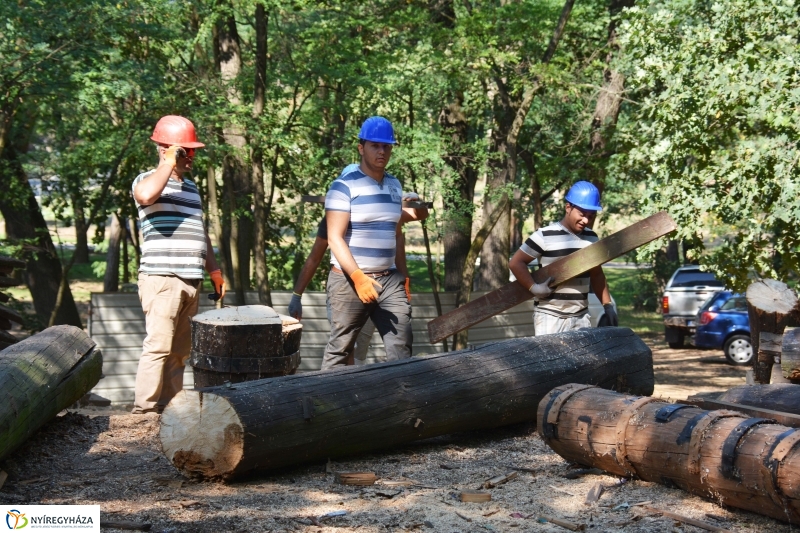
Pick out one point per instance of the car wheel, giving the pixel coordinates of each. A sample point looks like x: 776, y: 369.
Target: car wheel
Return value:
x: 738, y: 350
x: 675, y: 337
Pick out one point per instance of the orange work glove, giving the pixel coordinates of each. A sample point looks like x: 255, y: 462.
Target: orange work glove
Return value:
x: 172, y: 154
x: 408, y: 289
x: 365, y: 286
x: 219, y: 285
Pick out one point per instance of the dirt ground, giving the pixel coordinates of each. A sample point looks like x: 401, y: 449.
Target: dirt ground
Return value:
x: 113, y: 459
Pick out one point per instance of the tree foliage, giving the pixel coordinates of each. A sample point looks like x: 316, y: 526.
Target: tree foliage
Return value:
x: 715, y: 126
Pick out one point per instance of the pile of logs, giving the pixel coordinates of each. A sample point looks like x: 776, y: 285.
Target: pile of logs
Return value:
x: 8, y: 315
x: 40, y: 377
x: 772, y: 308
x: 225, y: 431
x: 724, y: 455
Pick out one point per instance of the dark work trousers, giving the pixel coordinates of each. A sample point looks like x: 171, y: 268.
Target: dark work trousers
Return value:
x: 391, y: 315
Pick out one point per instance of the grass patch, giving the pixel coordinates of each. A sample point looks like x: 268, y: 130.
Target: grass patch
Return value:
x: 621, y: 282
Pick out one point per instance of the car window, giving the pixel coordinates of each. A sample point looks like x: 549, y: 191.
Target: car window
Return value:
x: 737, y: 303
x: 692, y: 278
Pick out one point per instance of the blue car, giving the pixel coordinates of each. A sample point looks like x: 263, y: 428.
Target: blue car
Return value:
x: 722, y: 322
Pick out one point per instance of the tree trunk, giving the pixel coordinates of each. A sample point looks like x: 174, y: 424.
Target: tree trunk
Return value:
x: 776, y: 397
x: 224, y: 432
x: 24, y: 221
x: 221, y: 232
x: 245, y: 343
x: 111, y: 277
x: 257, y: 161
x: 81, y: 229
x: 771, y: 306
x: 749, y: 463
x: 458, y: 205
x: 40, y: 377
x: 123, y: 242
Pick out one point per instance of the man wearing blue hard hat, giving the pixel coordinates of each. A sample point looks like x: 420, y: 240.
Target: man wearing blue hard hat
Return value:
x: 368, y: 277
x: 565, y: 307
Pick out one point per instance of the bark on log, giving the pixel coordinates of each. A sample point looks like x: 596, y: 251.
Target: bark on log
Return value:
x: 41, y: 376
x: 237, y: 344
x: 771, y: 306
x: 783, y: 397
x: 224, y: 432
x: 749, y: 463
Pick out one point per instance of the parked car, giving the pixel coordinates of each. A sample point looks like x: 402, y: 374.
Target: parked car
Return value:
x: 687, y: 290
x: 597, y: 314
x: 723, y: 323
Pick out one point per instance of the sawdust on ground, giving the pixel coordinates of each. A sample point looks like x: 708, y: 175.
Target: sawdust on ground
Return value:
x: 113, y: 459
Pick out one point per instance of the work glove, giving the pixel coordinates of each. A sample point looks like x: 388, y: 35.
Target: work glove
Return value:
x: 172, y: 154
x: 296, y: 306
x: 408, y: 289
x: 218, y: 283
x: 542, y: 290
x: 611, y: 313
x: 410, y: 197
x: 365, y: 286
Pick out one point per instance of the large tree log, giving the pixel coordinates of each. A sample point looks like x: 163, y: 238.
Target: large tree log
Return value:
x: 771, y: 306
x: 41, y: 376
x: 777, y: 397
x: 223, y: 432
x: 562, y: 270
x: 749, y: 463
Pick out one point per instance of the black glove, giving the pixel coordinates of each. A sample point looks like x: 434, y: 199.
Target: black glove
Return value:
x: 611, y: 313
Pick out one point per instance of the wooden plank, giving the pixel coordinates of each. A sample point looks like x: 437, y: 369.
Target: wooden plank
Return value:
x: 786, y: 419
x: 561, y: 270
x: 8, y: 264
x: 770, y: 343
x: 318, y: 199
x: 10, y: 314
x: 6, y: 281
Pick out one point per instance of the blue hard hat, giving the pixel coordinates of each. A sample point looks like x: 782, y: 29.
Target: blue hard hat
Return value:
x: 378, y: 130
x: 584, y: 195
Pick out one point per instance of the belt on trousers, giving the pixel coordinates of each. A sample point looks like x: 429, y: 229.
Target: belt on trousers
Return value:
x: 370, y: 274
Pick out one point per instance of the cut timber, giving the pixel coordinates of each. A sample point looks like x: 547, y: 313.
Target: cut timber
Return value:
x: 771, y: 306
x: 778, y: 397
x: 749, y: 463
x: 475, y: 496
x: 41, y: 376
x: 6, y: 281
x: 781, y: 417
x: 315, y: 199
x: 8, y: 264
x: 10, y: 314
x: 236, y: 344
x: 7, y: 339
x: 561, y: 270
x: 226, y: 431
x: 790, y: 354
x: 356, y: 478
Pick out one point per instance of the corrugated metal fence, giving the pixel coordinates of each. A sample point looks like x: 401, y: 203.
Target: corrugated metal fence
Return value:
x: 116, y: 323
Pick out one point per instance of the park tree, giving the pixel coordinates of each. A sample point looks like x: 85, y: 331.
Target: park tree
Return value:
x: 714, y: 128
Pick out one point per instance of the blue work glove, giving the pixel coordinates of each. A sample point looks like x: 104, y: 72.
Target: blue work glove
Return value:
x: 296, y: 306
x: 611, y: 313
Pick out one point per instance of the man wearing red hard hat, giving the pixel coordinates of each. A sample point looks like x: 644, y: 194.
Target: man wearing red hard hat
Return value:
x: 176, y: 249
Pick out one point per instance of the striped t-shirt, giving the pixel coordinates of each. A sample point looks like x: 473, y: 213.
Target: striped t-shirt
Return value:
x: 553, y: 242
x: 375, y: 210
x: 174, y: 236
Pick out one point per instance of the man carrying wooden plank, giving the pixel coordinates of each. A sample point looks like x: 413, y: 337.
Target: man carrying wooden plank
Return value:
x: 409, y: 214
x: 176, y: 249
x: 369, y: 278
x: 565, y: 307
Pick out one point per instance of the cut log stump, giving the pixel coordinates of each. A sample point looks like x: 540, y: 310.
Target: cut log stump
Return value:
x: 245, y: 343
x: 226, y: 431
x: 771, y: 307
x: 749, y: 463
x: 41, y: 376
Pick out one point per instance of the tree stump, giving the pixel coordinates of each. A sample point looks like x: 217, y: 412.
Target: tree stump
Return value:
x: 771, y: 306
x: 41, y: 376
x: 245, y: 343
x: 749, y: 463
x: 226, y: 431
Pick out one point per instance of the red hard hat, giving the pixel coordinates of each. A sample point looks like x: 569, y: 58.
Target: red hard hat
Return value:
x: 173, y: 130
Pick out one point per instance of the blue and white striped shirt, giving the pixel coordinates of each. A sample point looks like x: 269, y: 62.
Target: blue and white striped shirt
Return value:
x: 174, y: 235
x: 552, y: 242
x: 375, y: 210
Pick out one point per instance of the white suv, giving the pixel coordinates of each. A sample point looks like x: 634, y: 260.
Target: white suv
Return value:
x: 686, y: 291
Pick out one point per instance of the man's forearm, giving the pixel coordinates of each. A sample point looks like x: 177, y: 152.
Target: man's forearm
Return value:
x: 341, y: 252
x: 310, y: 266
x: 150, y: 188
x: 600, y: 285
x: 400, y: 253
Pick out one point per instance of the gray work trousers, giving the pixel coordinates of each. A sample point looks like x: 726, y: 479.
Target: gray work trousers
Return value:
x: 391, y: 314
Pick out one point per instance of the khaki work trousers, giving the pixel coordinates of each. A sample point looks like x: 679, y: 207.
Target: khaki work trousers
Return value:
x: 168, y: 303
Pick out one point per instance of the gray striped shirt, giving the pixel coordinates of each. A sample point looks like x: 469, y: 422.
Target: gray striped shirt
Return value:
x: 174, y: 236
x: 553, y: 242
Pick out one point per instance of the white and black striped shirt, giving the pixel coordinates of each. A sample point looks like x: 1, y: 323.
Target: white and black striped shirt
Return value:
x: 172, y: 226
x: 549, y: 244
